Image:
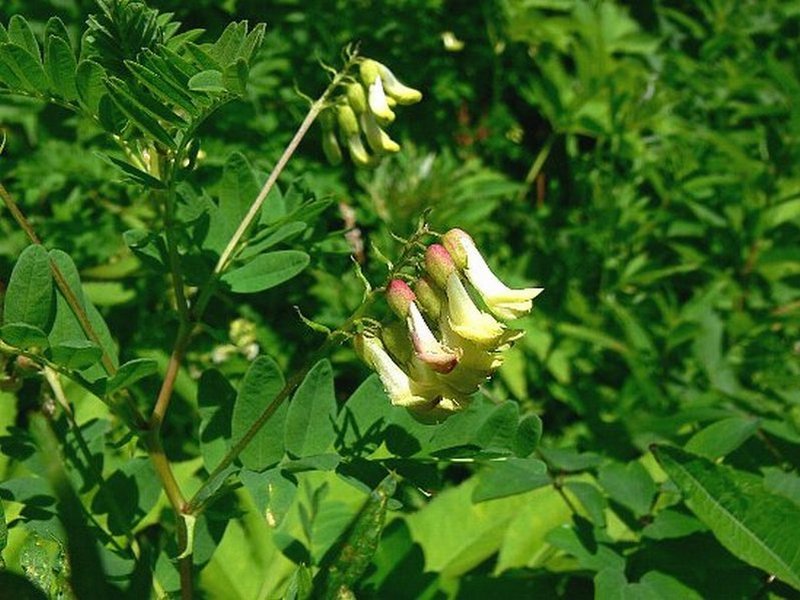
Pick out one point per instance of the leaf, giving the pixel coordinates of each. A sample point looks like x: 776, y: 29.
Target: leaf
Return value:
x: 75, y: 354
x: 345, y: 563
x: 66, y: 328
x: 266, y: 271
x: 312, y: 413
x: 22, y: 335
x: 529, y: 432
x: 162, y: 86
x: 61, y: 65
x: 89, y: 81
x: 21, y: 34
x: 25, y: 67
x: 760, y: 528
x: 364, y: 417
x: 131, y: 372
x: 273, y: 237
x: 261, y: 385
x: 591, y: 499
x: 207, y: 81
x: 132, y: 173
x: 723, y: 437
x: 55, y: 28
x: 235, y: 75
x: 128, y: 494
x: 132, y: 109
x: 29, y: 298
x: 576, y: 541
x: 509, y: 477
x: 630, y: 485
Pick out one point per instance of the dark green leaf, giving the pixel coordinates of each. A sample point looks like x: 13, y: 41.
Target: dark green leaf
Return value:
x: 630, y: 485
x: 260, y: 386
x: 591, y: 499
x: 163, y: 87
x: 29, y: 298
x: 25, y: 67
x: 75, y: 354
x: 235, y: 76
x: 131, y: 372
x: 132, y: 173
x: 760, y: 528
x: 273, y: 236
x: 207, y: 81
x: 509, y: 477
x: 266, y: 271
x: 61, y: 66
x: 89, y: 82
x: 21, y: 34
x: 55, y: 28
x: 364, y: 417
x: 312, y: 413
x: 723, y: 437
x: 128, y: 494
x: 529, y: 432
x: 215, y: 399
x: 138, y: 114
x: 22, y: 335
x: 226, y: 48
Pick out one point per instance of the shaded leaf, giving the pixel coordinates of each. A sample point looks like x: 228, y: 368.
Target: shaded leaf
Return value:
x: 61, y: 65
x: 509, y: 477
x: 131, y: 372
x: 312, y: 413
x: 29, y: 298
x: 22, y: 335
x: 266, y: 271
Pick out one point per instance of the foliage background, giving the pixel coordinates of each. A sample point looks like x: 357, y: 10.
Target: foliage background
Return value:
x: 638, y: 160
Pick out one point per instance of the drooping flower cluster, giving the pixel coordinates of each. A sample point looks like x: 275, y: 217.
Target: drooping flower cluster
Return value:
x: 445, y: 345
x: 362, y: 112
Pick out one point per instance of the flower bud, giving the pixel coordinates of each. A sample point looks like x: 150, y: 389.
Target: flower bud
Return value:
x: 331, y: 148
x: 370, y: 75
x: 400, y: 388
x: 357, y: 98
x: 429, y: 298
x: 504, y: 302
x: 395, y: 339
x: 439, y: 264
x: 427, y: 348
x: 347, y: 121
x: 466, y: 319
x: 399, y: 296
x: 377, y: 138
x: 402, y: 93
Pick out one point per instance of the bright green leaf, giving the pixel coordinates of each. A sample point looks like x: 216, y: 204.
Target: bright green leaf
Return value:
x: 266, y: 271
x: 312, y: 413
x: 29, y: 298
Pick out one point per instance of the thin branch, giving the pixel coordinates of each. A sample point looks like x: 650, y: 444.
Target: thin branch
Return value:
x: 537, y: 165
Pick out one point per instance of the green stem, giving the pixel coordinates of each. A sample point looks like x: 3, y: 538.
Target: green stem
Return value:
x: 538, y: 163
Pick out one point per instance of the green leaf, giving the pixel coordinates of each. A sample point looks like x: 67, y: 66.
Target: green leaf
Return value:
x: 89, y: 80
x: 132, y: 173
x: 723, y: 437
x: 163, y: 87
x: 345, y: 563
x: 61, y: 66
x: 29, y: 298
x: 128, y: 494
x: 3, y: 535
x: 588, y: 553
x: 75, y: 354
x: 21, y: 34
x: 273, y: 236
x: 760, y: 528
x: 138, y: 114
x: 55, y: 28
x: 22, y: 335
x: 509, y: 477
x: 215, y: 400
x: 300, y: 585
x: 25, y: 67
x: 260, y: 386
x: 238, y: 189
x: 266, y: 271
x: 591, y: 499
x: 66, y: 328
x: 529, y: 432
x: 226, y: 49
x: 364, y: 417
x: 207, y: 81
x: 630, y: 485
x: 235, y: 75
x: 312, y: 413
x: 131, y: 372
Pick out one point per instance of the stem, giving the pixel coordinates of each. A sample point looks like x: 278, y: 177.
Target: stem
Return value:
x: 537, y: 165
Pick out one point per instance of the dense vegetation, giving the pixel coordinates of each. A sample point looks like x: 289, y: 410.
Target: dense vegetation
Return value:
x: 181, y: 409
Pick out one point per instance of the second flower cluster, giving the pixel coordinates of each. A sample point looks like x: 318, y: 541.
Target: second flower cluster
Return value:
x: 445, y: 345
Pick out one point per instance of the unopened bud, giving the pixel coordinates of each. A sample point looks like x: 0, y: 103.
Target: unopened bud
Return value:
x: 439, y: 264
x: 429, y: 298
x: 347, y: 121
x: 399, y: 296
x: 377, y: 138
x: 400, y: 92
x: 357, y: 98
x: 455, y: 241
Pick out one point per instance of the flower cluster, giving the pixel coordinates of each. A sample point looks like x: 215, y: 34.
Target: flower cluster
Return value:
x: 363, y: 110
x: 446, y: 344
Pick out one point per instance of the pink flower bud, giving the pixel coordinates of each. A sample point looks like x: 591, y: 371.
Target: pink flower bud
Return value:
x: 439, y: 264
x: 399, y: 296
